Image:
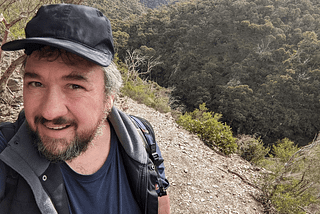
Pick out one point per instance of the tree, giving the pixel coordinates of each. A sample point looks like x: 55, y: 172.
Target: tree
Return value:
x: 211, y: 49
x: 140, y: 62
x: 15, y: 15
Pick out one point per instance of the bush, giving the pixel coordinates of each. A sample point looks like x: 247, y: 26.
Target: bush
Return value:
x: 251, y: 149
x: 291, y: 184
x: 290, y: 198
x: 207, y: 126
x: 284, y: 149
x: 146, y: 92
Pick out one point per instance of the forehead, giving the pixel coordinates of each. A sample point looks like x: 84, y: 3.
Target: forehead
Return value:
x: 60, y: 63
x: 52, y: 53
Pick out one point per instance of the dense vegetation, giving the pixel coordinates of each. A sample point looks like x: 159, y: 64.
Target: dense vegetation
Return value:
x: 289, y: 182
x: 254, y: 61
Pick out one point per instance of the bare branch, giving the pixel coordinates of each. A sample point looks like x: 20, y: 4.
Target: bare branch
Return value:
x: 8, y: 4
x: 5, y: 77
x: 151, y: 63
x: 133, y: 61
x: 244, y: 179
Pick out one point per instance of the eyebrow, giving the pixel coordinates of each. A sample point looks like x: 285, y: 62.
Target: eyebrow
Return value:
x: 74, y: 75
x: 31, y: 75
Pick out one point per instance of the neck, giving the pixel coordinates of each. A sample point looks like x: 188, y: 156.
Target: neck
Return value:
x: 95, y: 156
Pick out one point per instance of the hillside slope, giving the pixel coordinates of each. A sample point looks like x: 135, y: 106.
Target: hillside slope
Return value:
x: 202, y: 181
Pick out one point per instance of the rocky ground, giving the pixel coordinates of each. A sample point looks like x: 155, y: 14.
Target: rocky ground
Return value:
x: 202, y: 181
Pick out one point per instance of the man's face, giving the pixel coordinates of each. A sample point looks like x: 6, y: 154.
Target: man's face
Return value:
x: 65, y: 105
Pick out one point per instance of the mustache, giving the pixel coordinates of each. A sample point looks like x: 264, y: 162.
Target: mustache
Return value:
x: 56, y: 121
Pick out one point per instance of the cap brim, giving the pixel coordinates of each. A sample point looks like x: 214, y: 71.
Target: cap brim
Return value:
x: 98, y: 57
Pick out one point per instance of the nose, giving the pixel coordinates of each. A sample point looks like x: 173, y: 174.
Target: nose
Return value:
x: 54, y: 104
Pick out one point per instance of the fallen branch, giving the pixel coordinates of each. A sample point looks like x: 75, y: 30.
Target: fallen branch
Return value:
x: 223, y: 170
x: 244, y: 179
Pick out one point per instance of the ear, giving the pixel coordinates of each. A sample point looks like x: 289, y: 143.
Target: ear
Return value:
x: 110, y: 101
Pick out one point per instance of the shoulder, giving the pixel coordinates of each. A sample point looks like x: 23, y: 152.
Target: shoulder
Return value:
x: 8, y: 130
x: 128, y: 135
x: 3, y: 171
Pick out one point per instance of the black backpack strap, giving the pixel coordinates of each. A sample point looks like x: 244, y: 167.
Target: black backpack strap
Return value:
x: 8, y: 129
x: 153, y: 151
x: 3, y: 141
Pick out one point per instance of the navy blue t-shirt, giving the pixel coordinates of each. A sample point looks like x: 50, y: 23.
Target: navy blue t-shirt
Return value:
x: 106, y: 191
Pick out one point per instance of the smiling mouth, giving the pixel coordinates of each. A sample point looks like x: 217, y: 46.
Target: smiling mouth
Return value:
x: 57, y: 124
x: 57, y: 127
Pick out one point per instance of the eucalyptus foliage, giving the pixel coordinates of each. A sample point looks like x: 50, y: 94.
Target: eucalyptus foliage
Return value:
x: 254, y: 61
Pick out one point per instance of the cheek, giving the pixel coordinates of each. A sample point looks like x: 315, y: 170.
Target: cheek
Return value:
x: 31, y: 97
x: 88, y: 110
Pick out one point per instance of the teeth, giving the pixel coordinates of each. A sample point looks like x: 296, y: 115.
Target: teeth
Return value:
x: 57, y: 128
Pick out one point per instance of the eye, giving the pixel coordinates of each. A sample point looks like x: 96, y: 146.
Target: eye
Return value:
x: 75, y: 87
x: 35, y: 84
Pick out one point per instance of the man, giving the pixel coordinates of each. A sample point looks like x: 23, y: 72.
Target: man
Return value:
x: 74, y: 152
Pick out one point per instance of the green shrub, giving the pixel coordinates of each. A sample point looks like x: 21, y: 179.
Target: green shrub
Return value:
x: 207, y: 126
x: 146, y: 92
x: 284, y: 149
x: 291, y: 183
x: 291, y: 197
x: 251, y: 149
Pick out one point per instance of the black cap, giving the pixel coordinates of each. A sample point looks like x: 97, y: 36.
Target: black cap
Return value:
x: 78, y: 29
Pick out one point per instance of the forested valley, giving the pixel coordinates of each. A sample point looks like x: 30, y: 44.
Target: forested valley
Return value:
x: 254, y: 61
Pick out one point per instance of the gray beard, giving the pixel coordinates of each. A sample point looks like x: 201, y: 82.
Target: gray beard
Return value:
x: 47, y: 146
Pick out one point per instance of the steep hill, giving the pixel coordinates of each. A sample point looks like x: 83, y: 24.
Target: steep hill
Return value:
x: 254, y: 61
x: 202, y: 181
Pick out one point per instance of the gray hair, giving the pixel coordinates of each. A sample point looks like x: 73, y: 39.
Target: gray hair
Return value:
x: 112, y: 80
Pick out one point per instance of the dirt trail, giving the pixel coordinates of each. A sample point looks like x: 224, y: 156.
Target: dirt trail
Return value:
x: 202, y: 181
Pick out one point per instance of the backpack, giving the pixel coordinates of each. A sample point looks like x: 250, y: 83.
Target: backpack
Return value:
x: 153, y: 150
x: 8, y: 130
